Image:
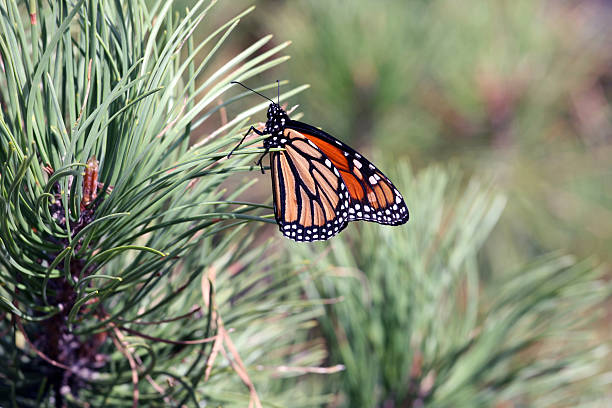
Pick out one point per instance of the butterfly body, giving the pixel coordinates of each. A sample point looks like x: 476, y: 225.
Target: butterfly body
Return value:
x: 321, y: 184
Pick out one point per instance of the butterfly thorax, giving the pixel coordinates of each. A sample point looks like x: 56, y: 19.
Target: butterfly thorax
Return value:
x: 275, y: 126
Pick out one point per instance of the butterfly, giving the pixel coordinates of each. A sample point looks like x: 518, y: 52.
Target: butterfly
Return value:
x: 319, y: 183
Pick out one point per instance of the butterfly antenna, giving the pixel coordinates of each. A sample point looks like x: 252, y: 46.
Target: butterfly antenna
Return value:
x: 252, y: 90
x: 278, y: 92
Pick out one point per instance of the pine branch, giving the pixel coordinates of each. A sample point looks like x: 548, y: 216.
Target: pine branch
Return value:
x: 111, y: 209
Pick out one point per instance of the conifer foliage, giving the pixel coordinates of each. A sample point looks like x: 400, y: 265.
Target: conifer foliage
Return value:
x: 114, y: 230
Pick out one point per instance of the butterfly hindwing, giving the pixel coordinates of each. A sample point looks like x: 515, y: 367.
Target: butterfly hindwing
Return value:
x: 311, y: 201
x: 372, y: 196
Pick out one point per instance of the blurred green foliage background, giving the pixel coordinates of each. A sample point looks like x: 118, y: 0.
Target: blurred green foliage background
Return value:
x: 517, y: 93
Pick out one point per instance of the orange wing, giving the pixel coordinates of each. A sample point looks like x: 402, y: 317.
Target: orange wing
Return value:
x: 372, y: 196
x: 310, y: 198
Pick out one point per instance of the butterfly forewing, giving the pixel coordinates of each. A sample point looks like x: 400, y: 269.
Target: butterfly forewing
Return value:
x: 372, y: 196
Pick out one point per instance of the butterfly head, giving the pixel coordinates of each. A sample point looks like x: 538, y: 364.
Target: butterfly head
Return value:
x: 277, y: 118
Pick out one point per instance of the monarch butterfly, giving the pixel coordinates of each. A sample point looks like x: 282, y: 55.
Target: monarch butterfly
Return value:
x: 319, y: 183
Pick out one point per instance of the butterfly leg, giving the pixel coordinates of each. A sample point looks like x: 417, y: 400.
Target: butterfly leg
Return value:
x: 252, y: 129
x: 259, y: 161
